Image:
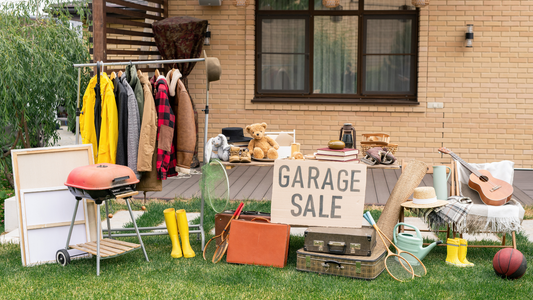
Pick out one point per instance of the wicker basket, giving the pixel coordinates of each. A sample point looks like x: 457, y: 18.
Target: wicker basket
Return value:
x: 241, y: 3
x: 371, y: 140
x: 420, y: 3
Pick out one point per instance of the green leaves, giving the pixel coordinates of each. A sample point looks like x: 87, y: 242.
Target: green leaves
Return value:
x: 37, y: 51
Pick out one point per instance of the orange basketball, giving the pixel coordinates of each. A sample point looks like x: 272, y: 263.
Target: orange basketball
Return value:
x: 509, y: 263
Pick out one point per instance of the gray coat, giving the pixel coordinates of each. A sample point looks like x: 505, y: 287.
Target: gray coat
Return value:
x: 136, y: 86
x: 134, y: 127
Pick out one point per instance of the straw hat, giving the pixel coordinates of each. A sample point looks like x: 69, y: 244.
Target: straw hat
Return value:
x: 212, y: 66
x: 424, y: 197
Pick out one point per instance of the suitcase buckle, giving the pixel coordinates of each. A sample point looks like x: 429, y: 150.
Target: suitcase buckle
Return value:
x: 354, y: 247
x: 319, y: 244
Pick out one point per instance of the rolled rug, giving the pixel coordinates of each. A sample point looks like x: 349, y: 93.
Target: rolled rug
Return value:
x: 410, y: 179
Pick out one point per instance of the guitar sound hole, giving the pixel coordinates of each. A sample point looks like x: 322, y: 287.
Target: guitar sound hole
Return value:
x: 483, y: 178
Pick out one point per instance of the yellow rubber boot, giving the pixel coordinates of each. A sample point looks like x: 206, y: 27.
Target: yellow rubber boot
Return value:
x: 172, y: 227
x: 183, y: 227
x: 453, y: 253
x: 463, y: 246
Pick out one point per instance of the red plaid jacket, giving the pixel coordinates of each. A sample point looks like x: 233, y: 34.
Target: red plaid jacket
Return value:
x: 166, y: 156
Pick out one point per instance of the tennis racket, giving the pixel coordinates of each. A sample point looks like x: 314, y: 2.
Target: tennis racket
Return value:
x: 214, y: 184
x: 397, y: 267
x: 223, y: 236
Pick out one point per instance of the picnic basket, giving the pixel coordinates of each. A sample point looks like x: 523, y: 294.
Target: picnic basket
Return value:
x: 371, y: 140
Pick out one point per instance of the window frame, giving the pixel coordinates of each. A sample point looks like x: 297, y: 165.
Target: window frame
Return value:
x: 408, y: 98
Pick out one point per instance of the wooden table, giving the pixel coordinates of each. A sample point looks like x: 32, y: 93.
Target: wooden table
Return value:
x: 229, y: 165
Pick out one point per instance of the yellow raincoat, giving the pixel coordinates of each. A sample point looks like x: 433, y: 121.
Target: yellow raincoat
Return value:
x: 107, y: 152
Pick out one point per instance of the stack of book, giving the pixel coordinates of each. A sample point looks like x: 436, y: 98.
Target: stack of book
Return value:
x: 346, y: 154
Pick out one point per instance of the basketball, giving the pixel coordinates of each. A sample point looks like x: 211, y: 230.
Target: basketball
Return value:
x: 509, y: 263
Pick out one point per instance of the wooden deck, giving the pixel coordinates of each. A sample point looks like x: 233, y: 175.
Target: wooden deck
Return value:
x: 255, y: 183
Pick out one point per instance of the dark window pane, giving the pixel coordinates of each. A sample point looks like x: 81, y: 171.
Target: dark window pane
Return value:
x: 283, y: 5
x: 335, y: 55
x: 283, y: 35
x: 388, y: 36
x: 282, y: 72
x: 388, y: 73
x: 344, y: 5
x: 389, y: 5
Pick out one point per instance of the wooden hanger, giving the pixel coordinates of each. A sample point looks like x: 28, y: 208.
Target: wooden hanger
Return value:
x: 113, y: 75
x: 157, y: 73
x: 120, y: 73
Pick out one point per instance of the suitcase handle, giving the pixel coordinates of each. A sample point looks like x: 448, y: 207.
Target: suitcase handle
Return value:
x: 260, y: 218
x: 327, y: 262
x: 336, y: 244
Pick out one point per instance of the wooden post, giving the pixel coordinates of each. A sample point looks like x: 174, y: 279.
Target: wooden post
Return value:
x: 99, y: 31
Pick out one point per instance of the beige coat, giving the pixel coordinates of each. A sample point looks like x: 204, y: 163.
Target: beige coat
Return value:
x: 148, y: 133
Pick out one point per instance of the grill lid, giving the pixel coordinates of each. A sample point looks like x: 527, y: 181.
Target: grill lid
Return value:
x: 101, y: 177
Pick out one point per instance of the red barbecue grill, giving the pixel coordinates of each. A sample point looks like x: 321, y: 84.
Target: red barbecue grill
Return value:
x: 101, y: 182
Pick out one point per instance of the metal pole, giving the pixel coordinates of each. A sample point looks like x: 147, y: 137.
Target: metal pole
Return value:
x: 205, y: 143
x: 136, y: 229
x: 98, y: 232
x: 78, y: 110
x: 148, y: 62
x: 72, y: 223
x: 107, y: 218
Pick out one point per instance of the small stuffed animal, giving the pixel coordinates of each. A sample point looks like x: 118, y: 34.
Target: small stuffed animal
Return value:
x: 261, y: 145
x: 217, y: 148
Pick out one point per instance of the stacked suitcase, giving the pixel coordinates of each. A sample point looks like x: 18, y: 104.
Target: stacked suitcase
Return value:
x: 348, y: 252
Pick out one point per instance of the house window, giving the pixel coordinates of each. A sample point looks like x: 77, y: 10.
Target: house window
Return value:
x: 360, y: 51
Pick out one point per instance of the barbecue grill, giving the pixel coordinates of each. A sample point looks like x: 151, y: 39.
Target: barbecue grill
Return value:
x: 99, y: 183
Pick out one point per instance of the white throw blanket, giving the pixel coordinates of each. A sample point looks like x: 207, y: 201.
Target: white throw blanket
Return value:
x: 481, y: 217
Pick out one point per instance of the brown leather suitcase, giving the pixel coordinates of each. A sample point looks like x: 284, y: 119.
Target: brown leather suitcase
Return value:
x: 222, y: 219
x: 258, y: 243
x: 336, y: 240
x: 362, y: 267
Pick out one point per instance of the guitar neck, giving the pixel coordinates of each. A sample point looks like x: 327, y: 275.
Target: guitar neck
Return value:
x: 465, y: 164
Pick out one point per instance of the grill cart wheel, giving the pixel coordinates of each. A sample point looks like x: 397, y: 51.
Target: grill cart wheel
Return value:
x: 62, y: 257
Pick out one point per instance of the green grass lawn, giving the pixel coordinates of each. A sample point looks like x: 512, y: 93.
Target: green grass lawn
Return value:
x: 130, y: 277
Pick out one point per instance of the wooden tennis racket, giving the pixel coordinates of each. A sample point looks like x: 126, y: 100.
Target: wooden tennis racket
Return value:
x: 224, y: 234
x: 397, y: 266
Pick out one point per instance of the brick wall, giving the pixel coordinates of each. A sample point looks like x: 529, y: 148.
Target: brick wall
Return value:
x: 486, y: 90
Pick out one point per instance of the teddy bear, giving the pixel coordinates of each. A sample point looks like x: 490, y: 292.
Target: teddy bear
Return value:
x: 261, y: 146
x: 217, y: 148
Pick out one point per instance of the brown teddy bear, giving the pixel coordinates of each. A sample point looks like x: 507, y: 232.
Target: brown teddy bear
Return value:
x: 261, y: 145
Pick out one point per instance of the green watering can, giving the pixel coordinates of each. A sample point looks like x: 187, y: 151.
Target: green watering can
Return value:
x: 412, y: 244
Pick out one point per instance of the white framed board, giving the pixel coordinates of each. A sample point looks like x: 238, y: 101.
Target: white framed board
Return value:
x: 46, y: 217
x: 318, y: 193
x: 45, y: 168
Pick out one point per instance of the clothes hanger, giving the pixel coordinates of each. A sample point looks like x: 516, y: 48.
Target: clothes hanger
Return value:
x: 113, y: 75
x: 119, y: 73
x: 157, y: 73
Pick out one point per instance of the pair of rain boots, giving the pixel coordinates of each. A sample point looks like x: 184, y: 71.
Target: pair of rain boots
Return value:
x: 457, y: 253
x: 176, y: 221
x: 236, y: 154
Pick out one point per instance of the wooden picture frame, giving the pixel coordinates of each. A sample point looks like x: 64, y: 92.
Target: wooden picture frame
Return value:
x: 46, y: 217
x: 42, y: 168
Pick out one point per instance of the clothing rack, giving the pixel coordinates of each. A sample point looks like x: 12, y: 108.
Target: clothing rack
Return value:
x: 198, y: 229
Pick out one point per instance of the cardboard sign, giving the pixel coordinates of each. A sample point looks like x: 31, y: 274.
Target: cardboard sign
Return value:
x: 317, y: 193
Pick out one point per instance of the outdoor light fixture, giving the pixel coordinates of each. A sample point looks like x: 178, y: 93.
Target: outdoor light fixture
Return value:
x: 241, y: 3
x: 469, y: 36
x: 207, y: 39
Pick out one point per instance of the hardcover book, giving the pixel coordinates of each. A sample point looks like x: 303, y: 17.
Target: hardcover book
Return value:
x: 337, y: 158
x: 341, y: 152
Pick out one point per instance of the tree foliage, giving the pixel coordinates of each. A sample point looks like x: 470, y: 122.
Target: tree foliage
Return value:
x: 37, y: 49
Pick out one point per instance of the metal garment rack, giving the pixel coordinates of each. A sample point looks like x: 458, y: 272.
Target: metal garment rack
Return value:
x: 198, y: 229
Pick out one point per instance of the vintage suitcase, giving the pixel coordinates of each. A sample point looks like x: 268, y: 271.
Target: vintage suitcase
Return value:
x: 258, y: 243
x: 222, y: 219
x: 336, y: 240
x: 362, y: 267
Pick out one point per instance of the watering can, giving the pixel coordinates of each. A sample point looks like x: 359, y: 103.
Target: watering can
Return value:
x: 412, y: 244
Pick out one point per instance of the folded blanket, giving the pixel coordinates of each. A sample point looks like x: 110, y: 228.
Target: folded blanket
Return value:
x: 474, y: 218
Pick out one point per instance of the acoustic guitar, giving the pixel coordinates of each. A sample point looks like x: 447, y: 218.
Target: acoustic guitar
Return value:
x: 492, y: 191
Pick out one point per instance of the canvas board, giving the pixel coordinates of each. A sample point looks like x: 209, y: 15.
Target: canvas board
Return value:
x: 41, y: 168
x: 317, y: 193
x: 46, y: 217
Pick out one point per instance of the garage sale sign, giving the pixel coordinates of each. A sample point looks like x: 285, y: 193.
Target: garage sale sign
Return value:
x: 318, y: 193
